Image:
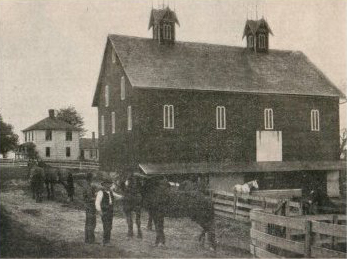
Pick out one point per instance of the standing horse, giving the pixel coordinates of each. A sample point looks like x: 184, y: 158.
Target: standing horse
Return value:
x: 51, y: 178
x: 245, y: 188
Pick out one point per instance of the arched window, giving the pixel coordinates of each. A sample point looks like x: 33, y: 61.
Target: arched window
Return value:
x: 102, y: 125
x: 220, y: 117
x: 167, y: 32
x: 113, y: 122
x: 122, y: 88
x: 268, y: 119
x: 130, y: 119
x: 107, y: 95
x: 250, y: 41
x: 315, y: 120
x: 261, y: 41
x: 169, y: 117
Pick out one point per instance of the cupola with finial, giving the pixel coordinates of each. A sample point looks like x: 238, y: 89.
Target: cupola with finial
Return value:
x: 163, y: 22
x: 257, y: 35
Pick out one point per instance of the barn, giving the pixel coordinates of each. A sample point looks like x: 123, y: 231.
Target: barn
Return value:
x: 222, y: 114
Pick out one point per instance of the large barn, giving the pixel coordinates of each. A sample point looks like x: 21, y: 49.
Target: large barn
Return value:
x: 222, y: 113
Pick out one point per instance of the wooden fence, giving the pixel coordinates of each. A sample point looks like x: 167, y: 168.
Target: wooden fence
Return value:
x: 229, y: 205
x: 303, y: 236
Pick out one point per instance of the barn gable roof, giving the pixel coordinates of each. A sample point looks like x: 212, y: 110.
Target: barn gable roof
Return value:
x: 209, y: 67
x: 51, y: 124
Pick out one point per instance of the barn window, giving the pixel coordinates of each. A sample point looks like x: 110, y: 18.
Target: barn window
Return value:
x: 122, y: 88
x: 48, y: 135
x: 48, y: 151
x: 220, y: 117
x: 68, y: 152
x: 113, y: 58
x: 102, y: 125
x: 113, y: 122
x: 250, y: 41
x: 107, y: 96
x: 262, y: 41
x: 167, y: 32
x: 268, y: 119
x: 169, y: 117
x: 130, y: 119
x: 68, y: 135
x: 315, y: 120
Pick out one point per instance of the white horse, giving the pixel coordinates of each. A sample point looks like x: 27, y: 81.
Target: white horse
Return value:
x: 245, y: 188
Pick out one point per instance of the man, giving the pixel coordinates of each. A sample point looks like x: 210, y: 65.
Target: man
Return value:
x: 89, y: 199
x: 37, y: 183
x: 104, y: 204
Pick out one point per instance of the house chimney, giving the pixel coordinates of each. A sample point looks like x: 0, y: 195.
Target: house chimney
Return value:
x: 51, y: 113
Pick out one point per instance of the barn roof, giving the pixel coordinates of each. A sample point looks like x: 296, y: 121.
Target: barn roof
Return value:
x: 240, y: 167
x: 88, y: 143
x: 201, y: 66
x: 51, y: 124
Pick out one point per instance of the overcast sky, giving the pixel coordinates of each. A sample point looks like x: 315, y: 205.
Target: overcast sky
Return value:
x: 51, y: 51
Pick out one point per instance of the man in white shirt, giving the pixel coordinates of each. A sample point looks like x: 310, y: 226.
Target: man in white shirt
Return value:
x: 104, y: 204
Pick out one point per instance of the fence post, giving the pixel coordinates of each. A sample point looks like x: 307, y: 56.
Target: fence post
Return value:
x: 334, y: 239
x: 308, y: 236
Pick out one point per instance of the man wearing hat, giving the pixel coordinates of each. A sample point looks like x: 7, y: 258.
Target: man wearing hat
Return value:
x: 104, y: 204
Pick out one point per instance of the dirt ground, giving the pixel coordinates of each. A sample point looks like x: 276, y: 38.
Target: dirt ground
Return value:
x: 56, y: 229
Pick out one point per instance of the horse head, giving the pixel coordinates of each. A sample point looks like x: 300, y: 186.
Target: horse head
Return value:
x: 255, y: 184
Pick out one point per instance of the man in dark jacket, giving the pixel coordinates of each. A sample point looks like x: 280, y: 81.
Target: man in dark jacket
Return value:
x: 89, y: 199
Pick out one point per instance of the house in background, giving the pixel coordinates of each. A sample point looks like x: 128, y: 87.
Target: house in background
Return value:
x: 227, y: 114
x: 89, y: 148
x: 54, y: 139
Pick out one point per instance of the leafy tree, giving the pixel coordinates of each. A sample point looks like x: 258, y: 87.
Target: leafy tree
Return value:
x: 343, y: 144
x: 8, y: 139
x: 71, y: 116
x: 31, y: 151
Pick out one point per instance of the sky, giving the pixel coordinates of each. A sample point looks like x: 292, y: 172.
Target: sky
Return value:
x: 51, y: 50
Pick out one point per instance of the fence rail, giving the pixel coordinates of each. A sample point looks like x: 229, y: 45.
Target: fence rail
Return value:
x: 314, y: 237
x: 230, y: 205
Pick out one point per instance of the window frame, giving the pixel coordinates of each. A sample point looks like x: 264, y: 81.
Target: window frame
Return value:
x: 129, y: 118
x: 262, y: 41
x: 221, y: 118
x: 107, y: 95
x: 48, y: 154
x: 48, y: 135
x: 167, y: 32
x: 68, y: 135
x: 68, y: 151
x: 122, y: 88
x: 268, y: 119
x: 168, y: 116
x: 315, y: 120
x: 102, y: 121
x: 113, y: 122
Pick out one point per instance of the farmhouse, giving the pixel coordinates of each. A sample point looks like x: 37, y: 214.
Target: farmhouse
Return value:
x: 227, y: 114
x: 54, y: 139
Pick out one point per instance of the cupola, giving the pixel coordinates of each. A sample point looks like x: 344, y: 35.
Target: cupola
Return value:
x: 257, y: 35
x: 162, y: 22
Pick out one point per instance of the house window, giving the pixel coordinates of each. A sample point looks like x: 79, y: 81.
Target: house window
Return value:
x: 268, y: 119
x: 102, y: 125
x: 113, y: 122
x: 32, y: 136
x: 48, y: 135
x: 169, y: 117
x: 315, y: 120
x: 122, y: 88
x: 220, y: 117
x: 262, y: 41
x: 130, y: 119
x: 250, y: 41
x: 107, y: 96
x: 26, y: 136
x: 48, y: 151
x: 167, y: 32
x: 68, y: 135
x: 68, y: 152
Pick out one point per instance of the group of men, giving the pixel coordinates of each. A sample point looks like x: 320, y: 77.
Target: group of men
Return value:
x: 101, y: 202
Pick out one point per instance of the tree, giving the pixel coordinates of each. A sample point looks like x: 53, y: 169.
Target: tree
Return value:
x: 31, y: 151
x: 8, y: 140
x: 343, y: 144
x: 71, y: 116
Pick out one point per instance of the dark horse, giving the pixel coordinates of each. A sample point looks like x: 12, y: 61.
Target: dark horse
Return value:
x: 50, y: 177
x: 160, y: 200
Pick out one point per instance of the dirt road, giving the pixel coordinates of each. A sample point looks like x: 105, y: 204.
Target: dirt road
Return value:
x: 54, y: 229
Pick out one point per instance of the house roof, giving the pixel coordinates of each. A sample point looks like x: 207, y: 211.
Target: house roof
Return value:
x: 158, y: 14
x: 87, y: 143
x: 51, y: 124
x: 201, y: 66
x: 254, y: 25
x: 241, y: 167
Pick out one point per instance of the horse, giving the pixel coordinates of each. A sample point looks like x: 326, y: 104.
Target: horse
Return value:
x: 162, y: 201
x: 37, y: 182
x: 51, y: 177
x: 245, y: 188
